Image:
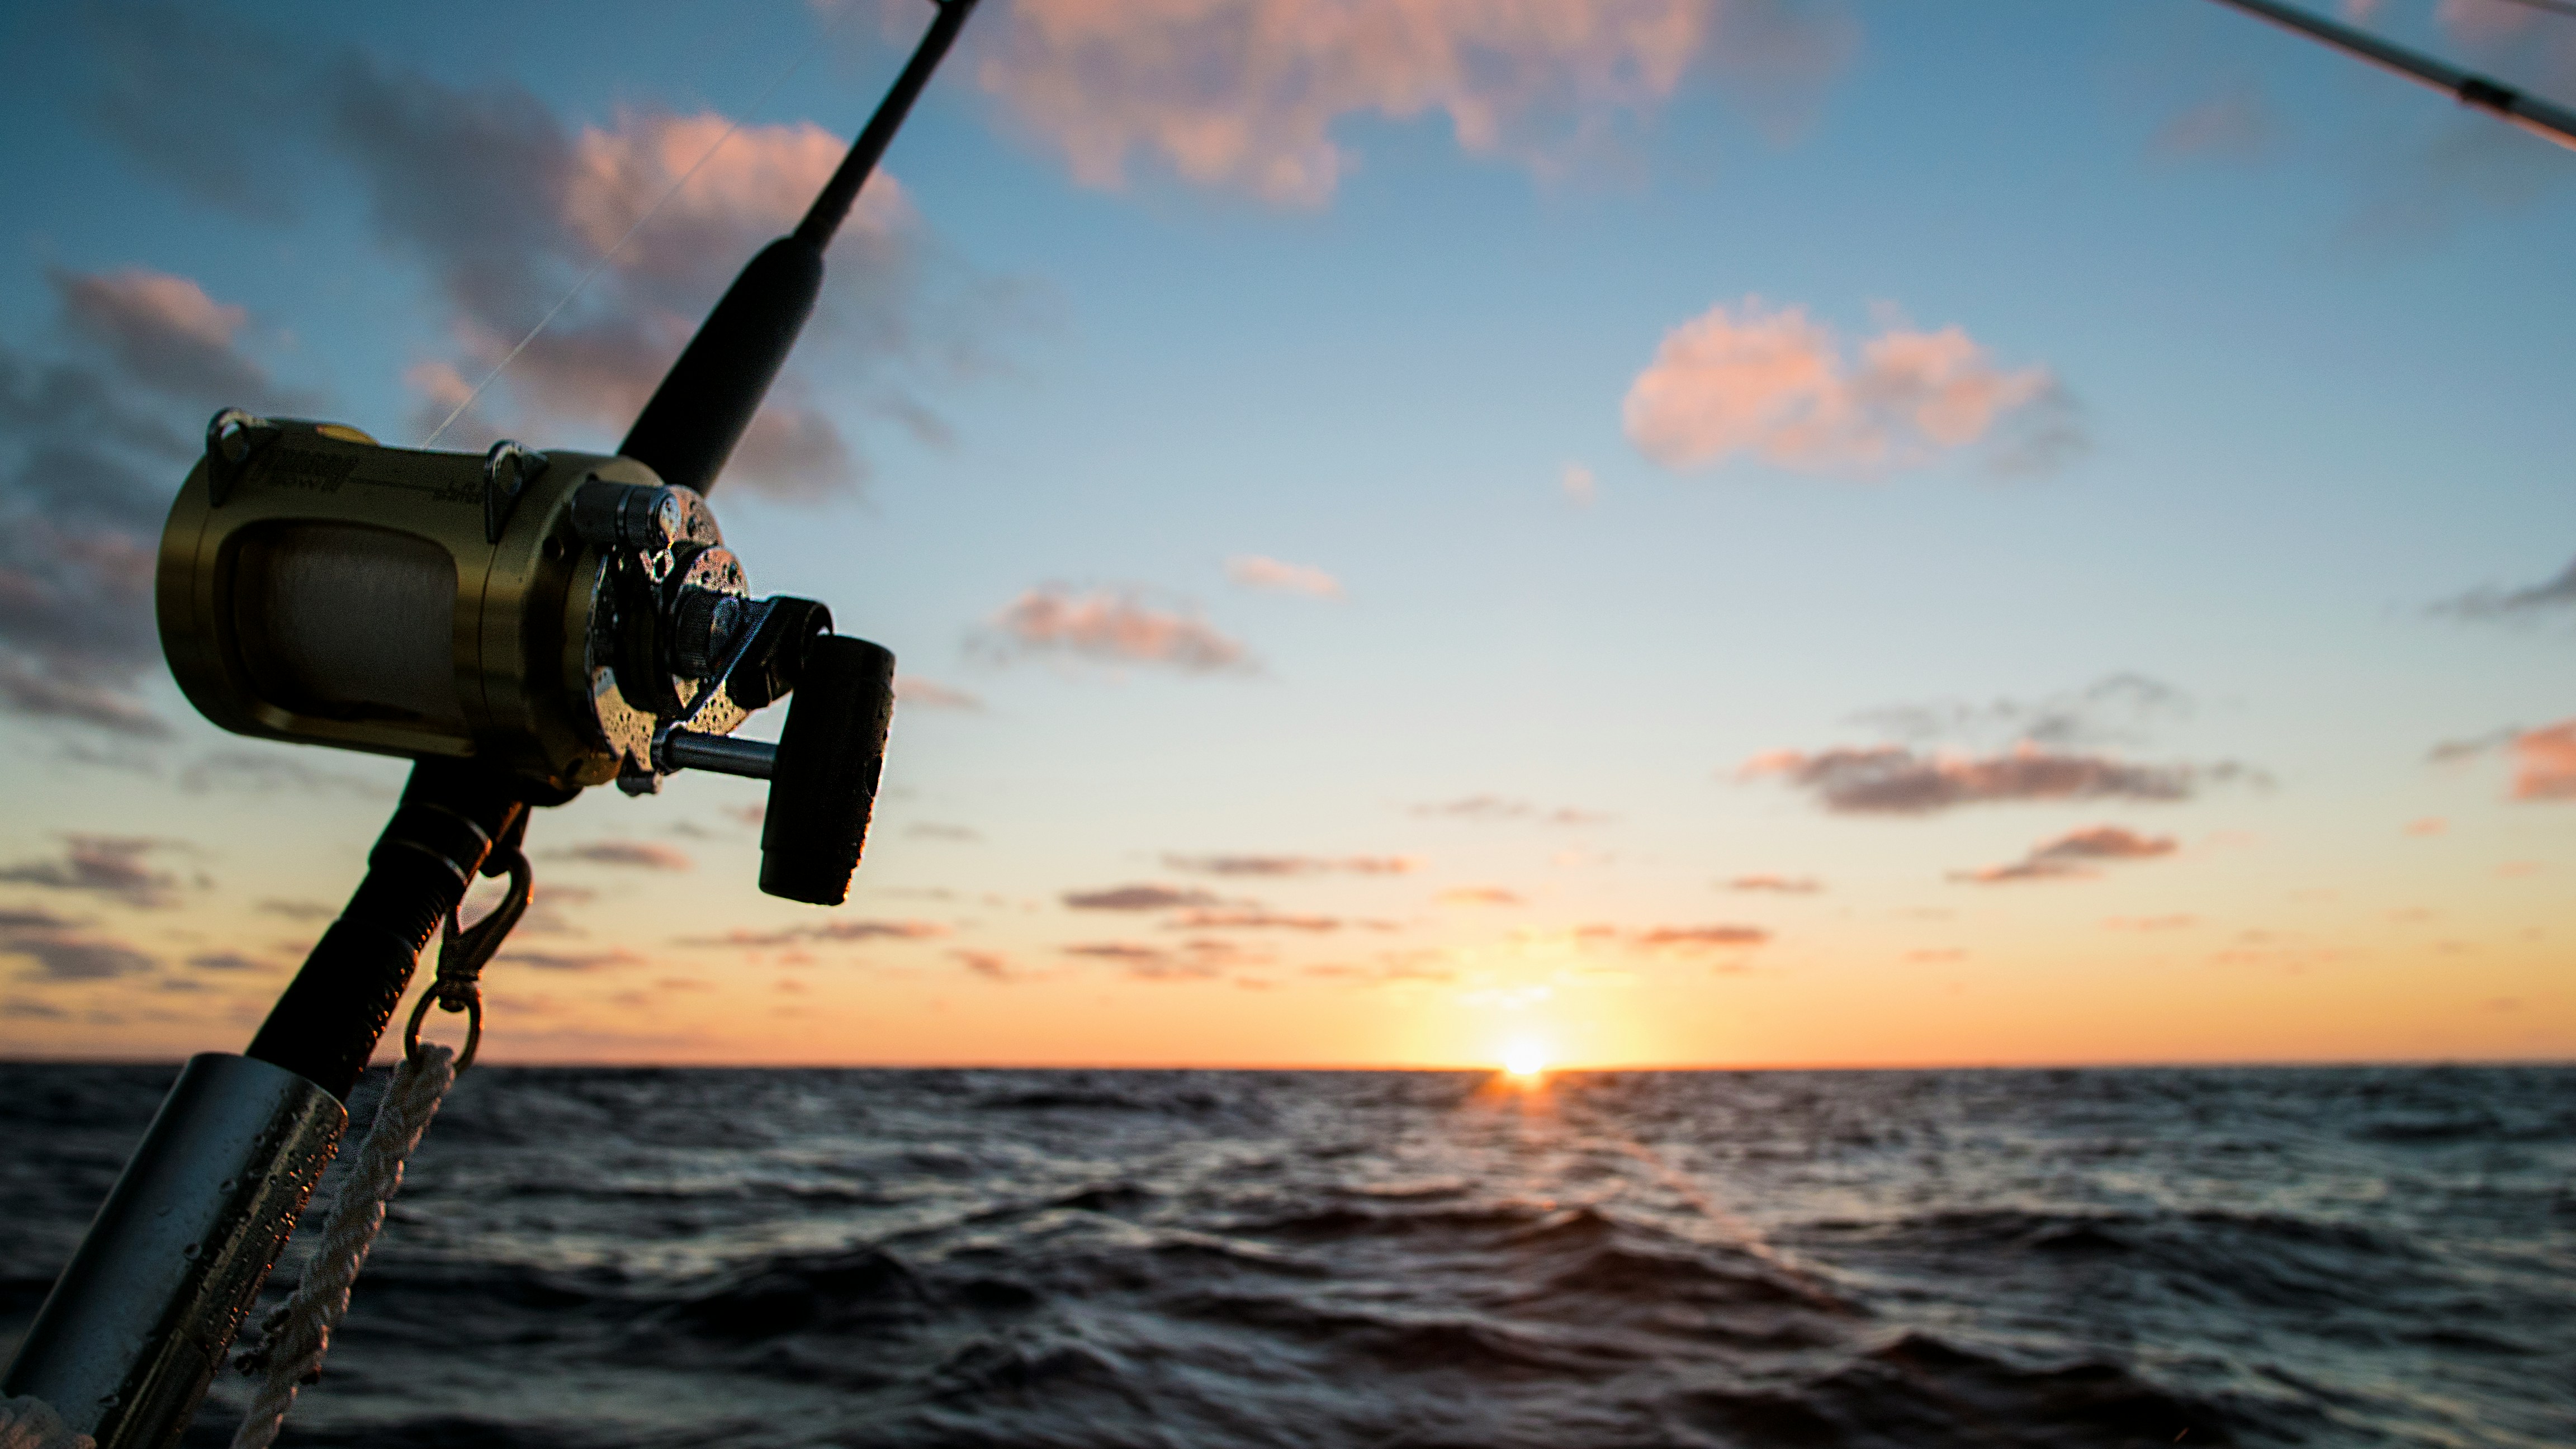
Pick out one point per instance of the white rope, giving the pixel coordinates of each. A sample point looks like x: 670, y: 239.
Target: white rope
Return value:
x: 31, y: 1423
x: 302, y: 1329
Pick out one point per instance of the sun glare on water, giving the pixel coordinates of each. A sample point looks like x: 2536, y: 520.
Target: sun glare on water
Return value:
x: 1525, y: 1060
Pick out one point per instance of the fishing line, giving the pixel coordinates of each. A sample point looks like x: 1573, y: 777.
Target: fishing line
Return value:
x: 2553, y: 7
x: 650, y: 212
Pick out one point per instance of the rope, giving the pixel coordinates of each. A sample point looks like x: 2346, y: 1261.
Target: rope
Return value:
x: 31, y: 1423
x: 300, y: 1333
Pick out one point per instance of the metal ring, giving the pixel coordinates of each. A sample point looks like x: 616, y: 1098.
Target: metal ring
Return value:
x: 473, y: 1025
x: 229, y: 445
x: 499, y: 497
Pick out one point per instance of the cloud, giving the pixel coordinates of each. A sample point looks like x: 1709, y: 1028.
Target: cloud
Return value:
x: 634, y: 854
x: 612, y: 957
x: 107, y: 865
x: 1773, y: 385
x: 1252, y: 920
x: 504, y: 206
x: 2549, y: 596
x: 926, y: 830
x: 1115, y: 626
x: 163, y: 331
x: 929, y: 694
x: 1498, y: 807
x: 2233, y: 125
x: 1188, y: 961
x: 2427, y: 826
x: 2544, y: 762
x: 1785, y: 885
x: 89, y: 458
x: 1480, y: 896
x: 270, y: 770
x: 1578, y: 484
x: 1139, y: 898
x: 991, y: 965
x: 1294, y: 865
x: 1698, y: 938
x: 228, y: 961
x: 1253, y: 571
x: 2068, y: 856
x: 58, y: 950
x: 1893, y: 780
x: 1246, y: 94
x: 2115, y: 708
x: 841, y: 932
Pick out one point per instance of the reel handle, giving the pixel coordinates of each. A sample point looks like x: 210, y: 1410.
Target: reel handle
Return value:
x: 823, y: 783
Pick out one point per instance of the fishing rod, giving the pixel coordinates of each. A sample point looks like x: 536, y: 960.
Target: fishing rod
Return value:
x: 522, y: 625
x: 2541, y: 118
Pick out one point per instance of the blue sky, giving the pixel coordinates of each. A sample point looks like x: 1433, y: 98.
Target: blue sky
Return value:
x: 2299, y: 329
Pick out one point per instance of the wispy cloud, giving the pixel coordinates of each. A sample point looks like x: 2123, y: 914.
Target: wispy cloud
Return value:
x: 1786, y: 885
x: 1294, y: 865
x: 1698, y: 938
x: 1114, y: 626
x: 1139, y: 898
x: 1893, y: 780
x: 823, y: 933
x: 631, y: 854
x: 2116, y: 708
x: 1771, y: 384
x: 1578, y: 484
x: 1247, y: 94
x: 2551, y: 596
x: 2072, y: 855
x: 1254, y: 571
x: 60, y: 950
x: 106, y: 865
x: 923, y: 693
x: 1499, y: 807
x: 1480, y: 896
x: 1251, y: 919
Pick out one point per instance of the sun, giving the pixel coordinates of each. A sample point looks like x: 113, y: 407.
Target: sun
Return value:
x: 1526, y: 1060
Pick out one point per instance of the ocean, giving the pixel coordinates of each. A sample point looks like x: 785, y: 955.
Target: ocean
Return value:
x: 1901, y: 1259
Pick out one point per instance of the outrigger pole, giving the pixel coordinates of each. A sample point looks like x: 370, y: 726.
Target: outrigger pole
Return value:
x: 2539, y: 117
x: 134, y: 1329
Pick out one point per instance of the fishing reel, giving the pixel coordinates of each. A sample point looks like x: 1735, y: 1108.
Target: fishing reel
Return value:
x: 568, y: 618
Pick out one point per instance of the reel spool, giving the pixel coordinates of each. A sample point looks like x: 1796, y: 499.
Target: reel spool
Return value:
x: 568, y: 618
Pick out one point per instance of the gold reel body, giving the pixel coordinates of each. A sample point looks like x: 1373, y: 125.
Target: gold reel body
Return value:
x: 316, y: 587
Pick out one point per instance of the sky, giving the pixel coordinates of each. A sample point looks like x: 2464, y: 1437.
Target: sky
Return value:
x: 1638, y: 532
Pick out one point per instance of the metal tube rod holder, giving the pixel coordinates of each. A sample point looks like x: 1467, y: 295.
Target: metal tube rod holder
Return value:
x: 138, y: 1323
x: 721, y: 754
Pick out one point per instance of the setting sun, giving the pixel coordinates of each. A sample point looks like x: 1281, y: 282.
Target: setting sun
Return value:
x: 1525, y: 1059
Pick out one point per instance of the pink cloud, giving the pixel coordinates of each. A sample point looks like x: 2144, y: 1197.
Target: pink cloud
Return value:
x: 1116, y: 626
x: 2069, y: 856
x: 1698, y: 938
x: 912, y: 689
x: 1777, y: 884
x: 1775, y: 385
x: 1253, y: 571
x: 2544, y: 762
x: 1480, y: 896
x: 1245, y: 94
x: 1287, y: 865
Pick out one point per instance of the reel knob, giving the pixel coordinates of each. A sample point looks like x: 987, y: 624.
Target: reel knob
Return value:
x: 823, y: 783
